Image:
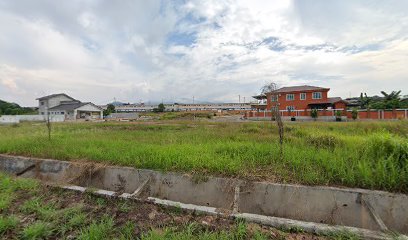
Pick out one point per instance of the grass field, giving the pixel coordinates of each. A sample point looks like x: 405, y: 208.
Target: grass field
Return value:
x: 29, y: 210
x: 371, y: 155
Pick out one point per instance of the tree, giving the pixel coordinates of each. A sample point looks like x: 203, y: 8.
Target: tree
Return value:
x: 109, y: 109
x: 160, y: 108
x: 392, y: 100
x: 365, y: 101
x: 270, y: 88
x: 48, y: 125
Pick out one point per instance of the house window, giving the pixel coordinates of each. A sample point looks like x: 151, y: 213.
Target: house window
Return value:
x: 303, y: 96
x: 317, y: 95
x: 290, y: 108
x: 42, y: 113
x: 290, y: 97
x: 42, y: 103
x: 274, y: 98
x: 62, y: 113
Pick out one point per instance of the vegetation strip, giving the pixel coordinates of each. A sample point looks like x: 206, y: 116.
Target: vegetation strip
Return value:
x: 372, y: 155
x: 29, y: 210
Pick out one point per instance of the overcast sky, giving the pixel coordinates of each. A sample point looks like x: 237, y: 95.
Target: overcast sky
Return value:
x: 214, y: 50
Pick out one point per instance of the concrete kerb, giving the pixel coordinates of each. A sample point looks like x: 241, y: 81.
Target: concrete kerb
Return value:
x: 281, y: 223
x: 277, y: 204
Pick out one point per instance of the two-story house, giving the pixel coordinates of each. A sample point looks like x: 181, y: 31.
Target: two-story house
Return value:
x: 303, y: 98
x: 72, y: 109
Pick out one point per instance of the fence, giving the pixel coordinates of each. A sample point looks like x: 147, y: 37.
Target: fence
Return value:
x: 330, y: 114
x: 33, y: 118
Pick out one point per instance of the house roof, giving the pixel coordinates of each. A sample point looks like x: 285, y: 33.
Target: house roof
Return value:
x: 335, y: 99
x: 260, y: 97
x: 329, y: 101
x: 54, y: 95
x: 72, y: 106
x: 299, y: 89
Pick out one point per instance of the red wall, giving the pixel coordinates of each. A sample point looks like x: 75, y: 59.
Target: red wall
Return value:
x: 373, y: 114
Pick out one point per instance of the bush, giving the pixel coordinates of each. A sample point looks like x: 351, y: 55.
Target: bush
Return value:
x: 354, y: 113
x: 314, y: 114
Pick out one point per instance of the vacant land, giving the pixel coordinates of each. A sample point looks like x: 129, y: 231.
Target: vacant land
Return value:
x: 29, y: 210
x: 370, y: 155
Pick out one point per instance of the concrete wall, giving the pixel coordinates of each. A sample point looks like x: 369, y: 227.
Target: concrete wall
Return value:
x: 334, y: 206
x: 30, y: 118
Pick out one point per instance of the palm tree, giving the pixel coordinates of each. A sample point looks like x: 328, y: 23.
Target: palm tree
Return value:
x: 392, y: 100
x: 365, y: 101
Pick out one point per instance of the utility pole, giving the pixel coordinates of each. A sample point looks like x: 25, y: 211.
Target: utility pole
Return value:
x: 239, y: 101
x: 193, y: 110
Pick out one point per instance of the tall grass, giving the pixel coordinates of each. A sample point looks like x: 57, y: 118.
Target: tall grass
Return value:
x: 359, y: 154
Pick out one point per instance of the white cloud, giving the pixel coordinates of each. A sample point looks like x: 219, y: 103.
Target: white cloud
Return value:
x: 98, y: 50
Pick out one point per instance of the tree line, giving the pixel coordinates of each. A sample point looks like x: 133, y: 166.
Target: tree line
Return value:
x: 7, y: 108
x: 392, y: 100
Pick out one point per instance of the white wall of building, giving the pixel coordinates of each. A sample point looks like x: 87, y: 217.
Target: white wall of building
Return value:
x: 43, y: 105
x: 90, y: 108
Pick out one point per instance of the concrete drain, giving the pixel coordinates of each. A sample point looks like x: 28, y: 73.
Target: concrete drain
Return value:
x: 370, y: 214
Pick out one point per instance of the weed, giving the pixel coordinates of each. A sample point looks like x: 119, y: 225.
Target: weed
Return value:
x: 124, y: 206
x: 98, y: 230
x: 5, y: 201
x: 37, y: 230
x: 342, y: 235
x: 43, y: 211
x: 101, y: 202
x: 240, y: 229
x: 324, y: 141
x: 127, y: 231
x: 77, y: 220
x: 7, y: 223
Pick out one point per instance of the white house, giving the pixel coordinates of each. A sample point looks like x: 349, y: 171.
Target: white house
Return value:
x: 72, y: 109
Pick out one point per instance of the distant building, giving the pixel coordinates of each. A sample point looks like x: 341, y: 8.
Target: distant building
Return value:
x: 181, y: 107
x: 301, y: 98
x: 72, y: 109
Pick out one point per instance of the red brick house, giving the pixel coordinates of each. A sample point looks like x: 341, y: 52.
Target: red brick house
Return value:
x: 303, y: 98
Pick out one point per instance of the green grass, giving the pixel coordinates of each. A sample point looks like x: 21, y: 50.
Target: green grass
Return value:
x: 7, y: 223
x: 37, y: 230
x: 371, y: 155
x: 98, y: 230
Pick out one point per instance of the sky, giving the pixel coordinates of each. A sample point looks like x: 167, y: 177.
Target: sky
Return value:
x: 216, y: 51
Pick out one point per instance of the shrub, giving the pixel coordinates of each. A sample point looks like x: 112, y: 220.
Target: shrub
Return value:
x: 354, y: 113
x: 338, y: 113
x: 314, y: 114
